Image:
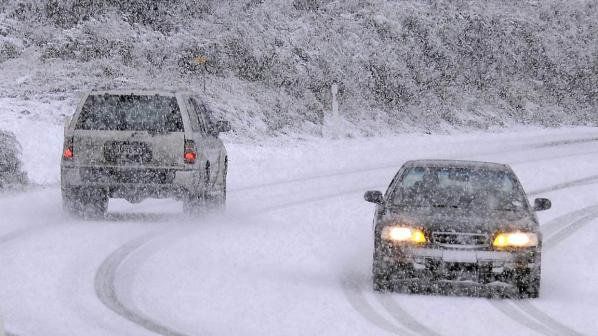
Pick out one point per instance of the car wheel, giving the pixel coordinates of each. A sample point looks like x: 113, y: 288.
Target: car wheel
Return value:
x: 381, y: 283
x: 528, y: 283
x: 381, y: 278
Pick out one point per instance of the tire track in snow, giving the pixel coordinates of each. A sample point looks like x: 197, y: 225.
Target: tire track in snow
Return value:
x: 351, y: 286
x: 508, y: 310
x: 106, y: 274
x: 403, y: 317
x: 105, y: 287
x: 559, y: 328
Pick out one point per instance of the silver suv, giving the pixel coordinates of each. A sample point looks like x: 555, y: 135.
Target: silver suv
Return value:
x: 138, y: 145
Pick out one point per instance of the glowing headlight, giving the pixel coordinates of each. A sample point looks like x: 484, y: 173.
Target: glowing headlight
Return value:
x: 403, y: 234
x: 515, y: 239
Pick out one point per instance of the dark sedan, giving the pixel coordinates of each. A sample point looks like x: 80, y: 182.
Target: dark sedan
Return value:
x: 456, y: 224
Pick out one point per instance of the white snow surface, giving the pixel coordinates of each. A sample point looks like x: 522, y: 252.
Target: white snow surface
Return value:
x: 292, y: 253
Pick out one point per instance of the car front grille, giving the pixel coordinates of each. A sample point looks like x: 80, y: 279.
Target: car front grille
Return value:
x: 119, y: 175
x: 460, y: 240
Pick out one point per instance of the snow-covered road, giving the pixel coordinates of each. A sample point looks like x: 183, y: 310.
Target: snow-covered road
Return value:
x: 292, y: 254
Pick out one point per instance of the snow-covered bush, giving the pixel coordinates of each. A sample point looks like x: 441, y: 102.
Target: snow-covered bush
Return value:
x: 11, y: 166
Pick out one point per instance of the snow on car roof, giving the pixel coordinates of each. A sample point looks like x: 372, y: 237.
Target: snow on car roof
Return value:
x: 456, y: 163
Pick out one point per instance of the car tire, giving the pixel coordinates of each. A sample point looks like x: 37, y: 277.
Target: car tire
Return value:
x: 381, y: 283
x: 380, y: 279
x: 85, y: 202
x: 528, y: 284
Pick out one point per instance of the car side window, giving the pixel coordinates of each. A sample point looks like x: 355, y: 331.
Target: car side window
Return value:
x: 392, y: 187
x: 199, y: 115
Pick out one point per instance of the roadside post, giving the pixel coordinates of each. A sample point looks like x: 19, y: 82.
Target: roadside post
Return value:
x: 202, y: 61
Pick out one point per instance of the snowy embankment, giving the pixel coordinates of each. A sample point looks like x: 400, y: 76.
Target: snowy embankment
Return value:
x: 292, y: 254
x: 38, y: 127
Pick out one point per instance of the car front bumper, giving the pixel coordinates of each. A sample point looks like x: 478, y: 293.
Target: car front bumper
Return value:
x: 438, y: 265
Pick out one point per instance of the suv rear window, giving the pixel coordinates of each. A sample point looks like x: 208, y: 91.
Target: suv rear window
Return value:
x: 130, y: 113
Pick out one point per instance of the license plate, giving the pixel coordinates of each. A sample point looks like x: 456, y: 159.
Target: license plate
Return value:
x: 459, y: 256
x: 130, y: 150
x: 127, y: 152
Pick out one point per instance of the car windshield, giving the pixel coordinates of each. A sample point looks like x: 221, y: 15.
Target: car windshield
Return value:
x: 131, y: 113
x: 458, y: 187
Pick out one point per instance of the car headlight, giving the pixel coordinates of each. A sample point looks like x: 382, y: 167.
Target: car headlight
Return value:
x: 515, y: 239
x: 403, y: 234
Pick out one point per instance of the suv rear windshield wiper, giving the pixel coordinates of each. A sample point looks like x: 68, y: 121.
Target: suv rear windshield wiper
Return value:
x: 454, y: 206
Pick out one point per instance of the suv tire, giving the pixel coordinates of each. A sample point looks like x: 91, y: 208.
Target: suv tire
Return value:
x: 217, y: 199
x: 194, y: 203
x: 85, y: 202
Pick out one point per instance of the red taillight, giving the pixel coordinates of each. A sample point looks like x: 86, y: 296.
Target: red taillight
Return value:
x: 67, y: 152
x: 190, y: 157
x: 190, y: 154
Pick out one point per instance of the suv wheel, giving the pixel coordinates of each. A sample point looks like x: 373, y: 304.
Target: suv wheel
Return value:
x: 217, y: 199
x: 194, y: 203
x: 85, y: 202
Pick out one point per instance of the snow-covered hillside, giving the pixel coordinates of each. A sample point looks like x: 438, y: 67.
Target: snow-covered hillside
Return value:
x: 269, y: 65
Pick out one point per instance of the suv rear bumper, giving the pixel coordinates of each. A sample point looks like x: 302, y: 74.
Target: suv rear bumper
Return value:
x: 134, y: 181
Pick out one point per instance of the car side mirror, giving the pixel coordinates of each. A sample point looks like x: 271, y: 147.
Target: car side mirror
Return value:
x: 220, y: 126
x: 374, y: 196
x: 542, y: 204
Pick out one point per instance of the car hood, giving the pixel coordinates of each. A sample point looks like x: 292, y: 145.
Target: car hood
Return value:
x: 462, y: 220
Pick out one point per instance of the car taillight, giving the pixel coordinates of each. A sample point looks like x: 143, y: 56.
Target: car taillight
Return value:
x: 68, y: 152
x: 190, y: 154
